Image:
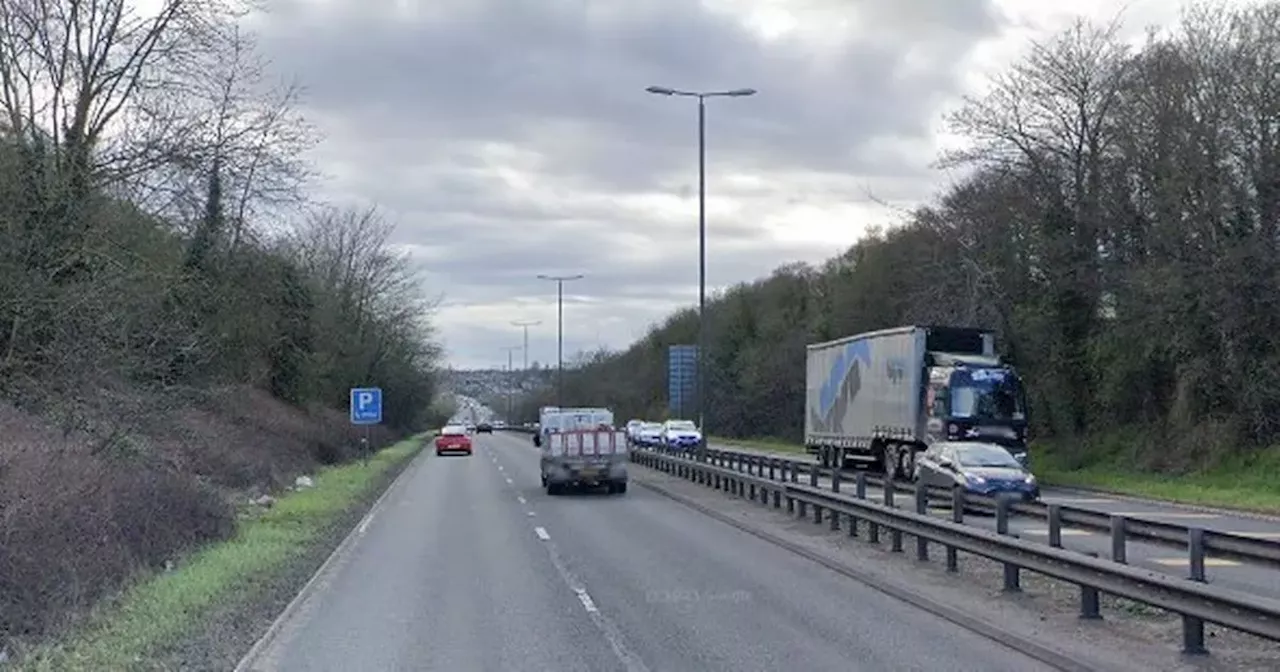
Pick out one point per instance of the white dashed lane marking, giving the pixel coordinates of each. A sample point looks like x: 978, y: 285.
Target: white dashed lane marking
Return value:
x: 1183, y: 562
x: 510, y: 482
x: 1164, y: 514
x: 1066, y: 532
x: 522, y: 500
x: 586, y: 600
x: 542, y: 533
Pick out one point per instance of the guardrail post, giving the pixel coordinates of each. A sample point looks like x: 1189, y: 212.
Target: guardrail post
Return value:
x: 777, y: 497
x: 813, y: 475
x: 1055, y: 525
x: 794, y: 467
x: 1090, y: 604
x: 804, y: 508
x: 1012, y: 575
x: 922, y: 508
x: 1118, y: 524
x: 1193, y: 636
x: 895, y: 535
x: 1192, y: 627
x: 817, y: 514
x: 957, y: 517
x: 1195, y: 554
x: 773, y: 462
x: 835, y: 480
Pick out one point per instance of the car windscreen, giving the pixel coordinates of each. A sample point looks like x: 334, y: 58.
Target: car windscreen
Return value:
x: 453, y: 431
x: 985, y: 456
x: 684, y: 426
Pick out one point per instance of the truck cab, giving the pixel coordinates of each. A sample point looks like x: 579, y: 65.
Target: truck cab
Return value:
x: 975, y: 398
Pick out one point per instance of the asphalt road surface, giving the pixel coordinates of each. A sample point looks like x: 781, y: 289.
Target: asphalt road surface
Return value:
x: 1255, y: 579
x: 468, y: 565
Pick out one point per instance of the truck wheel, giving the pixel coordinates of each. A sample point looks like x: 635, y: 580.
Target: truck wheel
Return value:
x: 890, y: 462
x: 618, y: 488
x: 554, y: 489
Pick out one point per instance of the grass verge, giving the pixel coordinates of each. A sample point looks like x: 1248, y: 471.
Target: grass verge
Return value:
x: 766, y: 445
x: 135, y: 631
x: 1244, y: 484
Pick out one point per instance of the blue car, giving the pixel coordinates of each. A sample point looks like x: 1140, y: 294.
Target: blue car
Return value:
x: 977, y: 468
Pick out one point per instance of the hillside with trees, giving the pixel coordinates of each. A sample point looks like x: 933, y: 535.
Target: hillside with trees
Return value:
x: 1118, y: 225
x: 179, y: 321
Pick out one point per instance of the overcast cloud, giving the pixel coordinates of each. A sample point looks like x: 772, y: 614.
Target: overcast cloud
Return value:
x: 510, y: 138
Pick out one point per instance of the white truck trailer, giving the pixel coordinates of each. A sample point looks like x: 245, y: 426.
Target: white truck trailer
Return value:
x: 879, y: 398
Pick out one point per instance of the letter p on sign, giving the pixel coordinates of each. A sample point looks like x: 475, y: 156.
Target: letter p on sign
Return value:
x: 366, y: 405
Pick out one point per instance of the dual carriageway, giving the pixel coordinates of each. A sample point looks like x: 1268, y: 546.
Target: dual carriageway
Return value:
x: 466, y: 564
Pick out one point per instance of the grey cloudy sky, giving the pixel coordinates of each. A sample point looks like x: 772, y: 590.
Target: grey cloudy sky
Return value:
x: 510, y: 138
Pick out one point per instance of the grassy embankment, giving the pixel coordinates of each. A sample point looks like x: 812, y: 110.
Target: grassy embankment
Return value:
x: 160, y: 610
x: 1239, y: 483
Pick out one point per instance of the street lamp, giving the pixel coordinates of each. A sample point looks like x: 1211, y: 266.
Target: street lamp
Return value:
x: 525, y: 325
x: 702, y: 97
x: 510, y: 349
x: 560, y: 280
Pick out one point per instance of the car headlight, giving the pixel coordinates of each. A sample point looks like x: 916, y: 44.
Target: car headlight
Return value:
x: 1031, y: 479
x: 976, y: 480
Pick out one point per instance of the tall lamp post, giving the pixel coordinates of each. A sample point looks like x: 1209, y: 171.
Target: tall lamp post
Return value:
x: 510, y: 349
x: 525, y: 326
x: 702, y: 97
x: 524, y: 370
x: 560, y: 280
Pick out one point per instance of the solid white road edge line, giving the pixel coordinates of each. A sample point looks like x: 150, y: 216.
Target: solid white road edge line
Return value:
x: 542, y: 533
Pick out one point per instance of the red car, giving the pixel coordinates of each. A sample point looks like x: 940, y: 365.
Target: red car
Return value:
x: 453, y: 439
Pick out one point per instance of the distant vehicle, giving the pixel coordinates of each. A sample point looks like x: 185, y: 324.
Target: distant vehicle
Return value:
x: 881, y: 398
x: 978, y: 468
x: 471, y: 428
x: 580, y: 448
x: 484, y: 428
x: 453, y: 439
x: 499, y: 424
x: 648, y: 435
x: 632, y: 427
x: 681, y: 435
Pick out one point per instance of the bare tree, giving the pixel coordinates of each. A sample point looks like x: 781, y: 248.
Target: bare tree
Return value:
x: 246, y: 125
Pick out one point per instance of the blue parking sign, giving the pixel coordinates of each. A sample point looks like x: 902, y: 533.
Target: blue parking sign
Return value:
x: 366, y: 405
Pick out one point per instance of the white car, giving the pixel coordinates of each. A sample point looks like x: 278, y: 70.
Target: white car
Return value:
x: 632, y: 429
x: 681, y: 434
x: 648, y: 435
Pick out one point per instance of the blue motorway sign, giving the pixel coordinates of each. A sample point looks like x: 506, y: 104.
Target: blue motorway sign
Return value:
x: 682, y: 376
x: 366, y: 405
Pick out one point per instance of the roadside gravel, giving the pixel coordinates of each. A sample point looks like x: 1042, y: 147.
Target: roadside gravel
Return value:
x: 1130, y: 636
